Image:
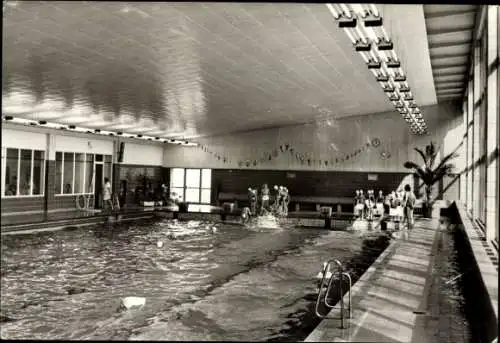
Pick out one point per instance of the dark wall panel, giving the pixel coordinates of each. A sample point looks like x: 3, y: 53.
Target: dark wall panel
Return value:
x: 303, y: 183
x: 10, y: 205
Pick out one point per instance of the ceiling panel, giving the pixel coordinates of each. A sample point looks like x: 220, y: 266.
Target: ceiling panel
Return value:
x: 449, y: 31
x: 184, y: 69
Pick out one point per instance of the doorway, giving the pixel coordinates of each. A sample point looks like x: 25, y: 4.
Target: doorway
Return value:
x: 98, y: 185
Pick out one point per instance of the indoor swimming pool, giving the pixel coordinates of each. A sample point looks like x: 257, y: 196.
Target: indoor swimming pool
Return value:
x: 200, y: 283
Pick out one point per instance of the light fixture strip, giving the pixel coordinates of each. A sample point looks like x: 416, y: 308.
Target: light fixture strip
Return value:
x: 56, y: 126
x: 370, y: 34
x: 361, y: 34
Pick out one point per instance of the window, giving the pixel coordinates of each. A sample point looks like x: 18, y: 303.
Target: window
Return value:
x: 38, y: 172
x: 75, y: 172
x: 89, y: 174
x: 193, y: 185
x: 24, y: 172
x: 79, y: 173
x: 177, y: 182
x: 68, y: 172
x: 193, y: 181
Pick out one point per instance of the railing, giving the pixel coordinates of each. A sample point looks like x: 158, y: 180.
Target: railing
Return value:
x: 341, y: 274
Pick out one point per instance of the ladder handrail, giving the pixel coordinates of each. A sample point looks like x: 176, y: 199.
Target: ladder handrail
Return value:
x: 341, y: 274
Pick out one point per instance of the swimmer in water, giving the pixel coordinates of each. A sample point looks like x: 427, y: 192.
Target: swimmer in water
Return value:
x: 252, y: 199
x: 265, y: 199
x: 245, y: 214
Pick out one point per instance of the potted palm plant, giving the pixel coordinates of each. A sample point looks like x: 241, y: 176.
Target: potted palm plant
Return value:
x: 429, y: 174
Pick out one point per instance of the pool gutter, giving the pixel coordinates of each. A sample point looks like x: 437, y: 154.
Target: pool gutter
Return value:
x: 483, y: 255
x: 61, y: 224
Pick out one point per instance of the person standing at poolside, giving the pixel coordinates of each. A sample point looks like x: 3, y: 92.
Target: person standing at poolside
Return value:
x: 380, y: 203
x: 106, y: 195
x: 252, y: 199
x: 276, y: 200
x: 409, y: 200
x: 286, y: 201
x: 265, y: 199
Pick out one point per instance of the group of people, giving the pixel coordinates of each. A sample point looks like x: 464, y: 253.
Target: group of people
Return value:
x: 397, y: 205
x: 275, y: 201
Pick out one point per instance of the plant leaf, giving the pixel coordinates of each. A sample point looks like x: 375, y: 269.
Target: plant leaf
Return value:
x: 447, y: 158
x: 424, y: 156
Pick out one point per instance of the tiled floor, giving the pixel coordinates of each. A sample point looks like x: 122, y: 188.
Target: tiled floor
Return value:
x: 395, y: 301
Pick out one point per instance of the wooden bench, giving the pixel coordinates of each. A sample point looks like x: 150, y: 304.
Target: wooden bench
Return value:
x: 322, y: 201
x: 231, y: 197
x: 297, y: 200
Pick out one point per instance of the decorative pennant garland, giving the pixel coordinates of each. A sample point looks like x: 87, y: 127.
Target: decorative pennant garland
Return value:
x: 302, y: 158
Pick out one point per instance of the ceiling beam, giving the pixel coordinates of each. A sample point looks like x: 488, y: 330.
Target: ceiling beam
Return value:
x: 443, y: 83
x: 450, y: 73
x: 433, y: 15
x: 449, y: 55
x: 451, y: 90
x: 449, y: 44
x: 452, y: 65
x: 432, y: 32
x: 446, y: 96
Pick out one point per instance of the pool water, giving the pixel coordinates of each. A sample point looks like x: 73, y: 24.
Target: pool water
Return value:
x: 232, y: 283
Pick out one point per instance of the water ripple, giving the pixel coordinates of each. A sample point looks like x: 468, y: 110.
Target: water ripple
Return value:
x: 236, y: 284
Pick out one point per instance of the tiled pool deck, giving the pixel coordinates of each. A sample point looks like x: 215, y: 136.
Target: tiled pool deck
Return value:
x: 397, y: 299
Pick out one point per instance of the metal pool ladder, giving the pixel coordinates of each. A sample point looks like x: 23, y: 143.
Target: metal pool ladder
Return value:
x: 342, y: 275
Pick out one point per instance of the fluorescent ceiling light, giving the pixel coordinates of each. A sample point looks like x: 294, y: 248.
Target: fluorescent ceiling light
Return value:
x: 346, y: 10
x: 361, y: 34
x: 374, y: 10
x: 333, y: 11
x: 371, y: 34
x: 358, y: 9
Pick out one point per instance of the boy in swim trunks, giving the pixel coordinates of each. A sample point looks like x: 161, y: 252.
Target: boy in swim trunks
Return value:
x: 265, y: 199
x: 252, y: 199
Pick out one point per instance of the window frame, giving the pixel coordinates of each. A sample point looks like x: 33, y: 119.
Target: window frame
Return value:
x: 200, y: 189
x: 4, y: 172
x: 84, y: 178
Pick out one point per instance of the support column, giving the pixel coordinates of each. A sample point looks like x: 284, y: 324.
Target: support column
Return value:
x: 50, y: 173
x: 492, y: 162
x: 463, y: 153
x: 476, y: 140
x: 470, y: 140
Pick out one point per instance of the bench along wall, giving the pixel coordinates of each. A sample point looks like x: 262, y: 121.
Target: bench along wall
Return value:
x: 306, y: 183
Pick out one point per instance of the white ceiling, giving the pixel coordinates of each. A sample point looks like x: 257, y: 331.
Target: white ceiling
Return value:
x: 183, y: 70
